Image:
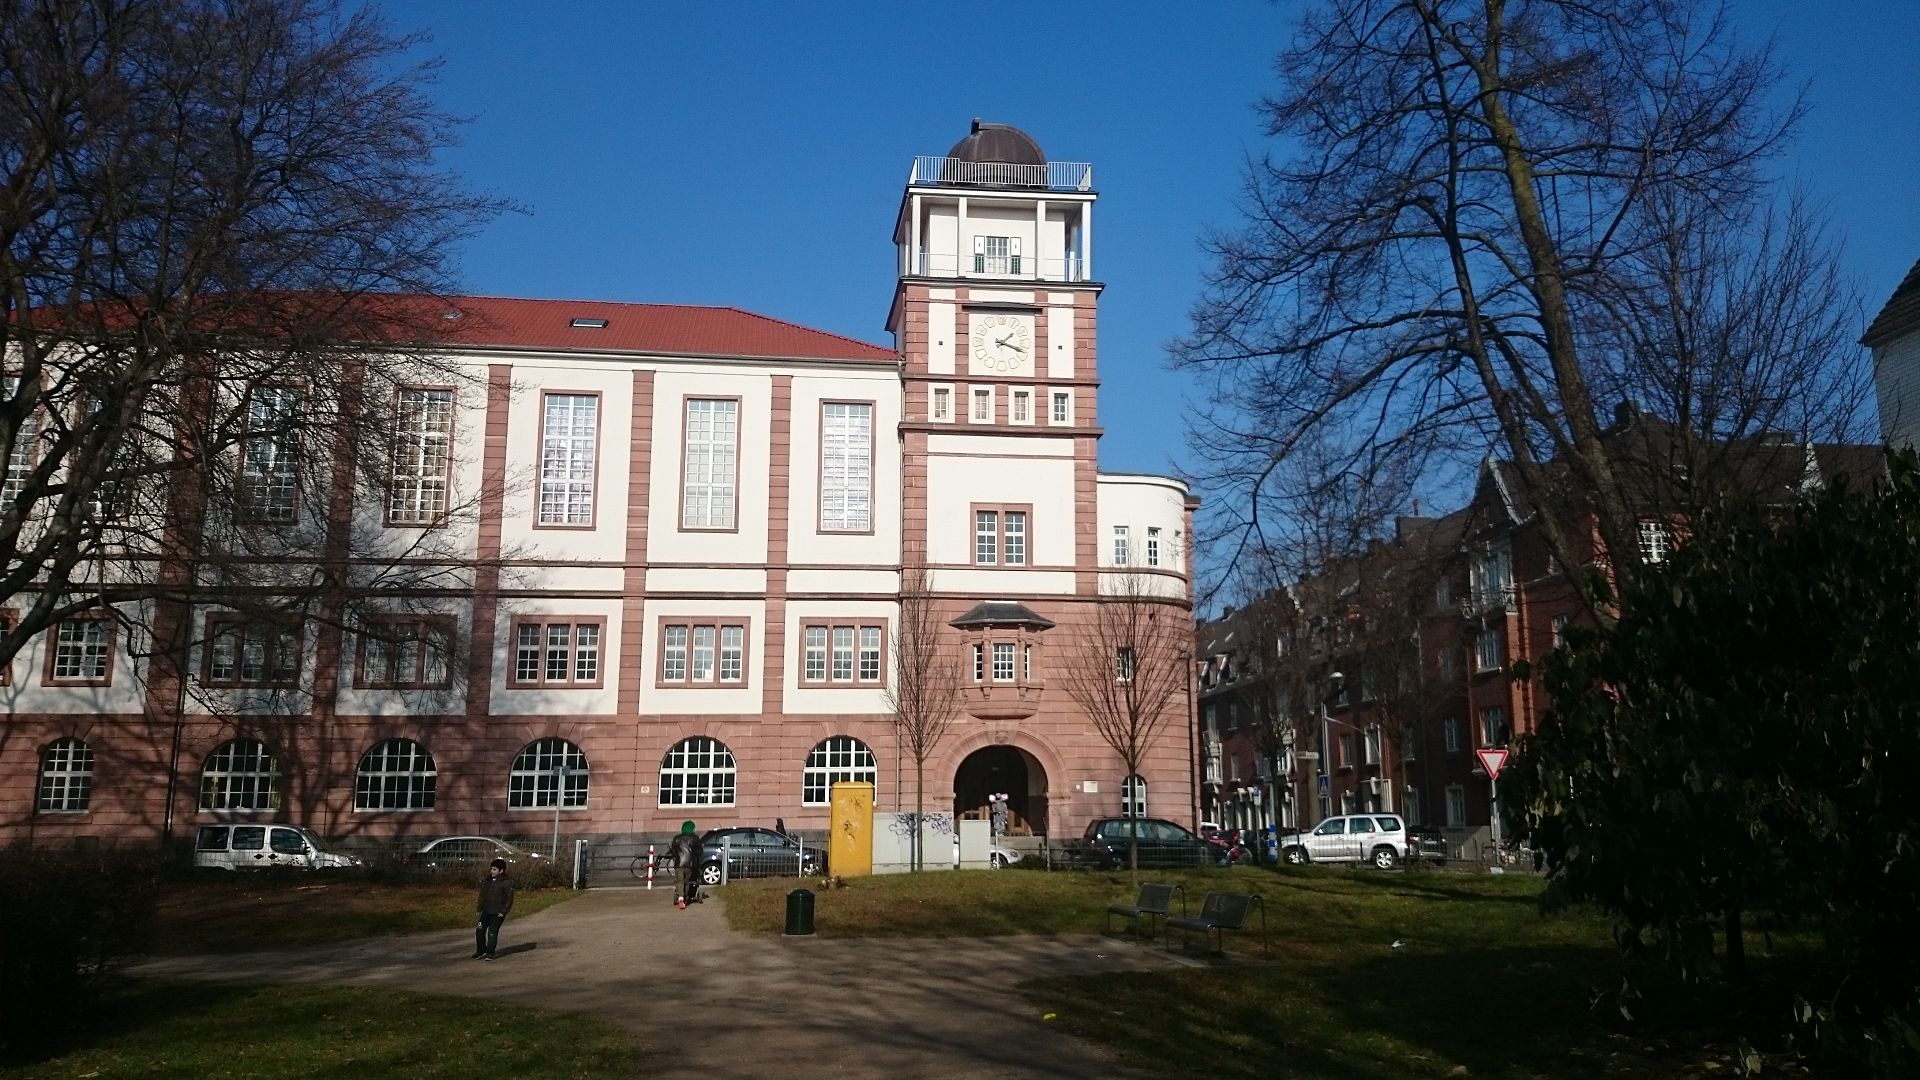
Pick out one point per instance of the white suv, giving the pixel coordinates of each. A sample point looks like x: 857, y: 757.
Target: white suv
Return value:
x: 1380, y: 839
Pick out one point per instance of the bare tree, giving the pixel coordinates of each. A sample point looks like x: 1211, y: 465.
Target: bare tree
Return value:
x: 1500, y: 222
x: 925, y: 693
x: 1133, y: 658
x: 223, y: 231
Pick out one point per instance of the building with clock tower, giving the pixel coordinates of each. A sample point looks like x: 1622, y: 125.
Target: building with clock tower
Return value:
x: 995, y: 318
x: 678, y: 546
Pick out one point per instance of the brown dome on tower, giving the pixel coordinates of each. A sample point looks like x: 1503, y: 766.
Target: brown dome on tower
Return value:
x: 1000, y: 144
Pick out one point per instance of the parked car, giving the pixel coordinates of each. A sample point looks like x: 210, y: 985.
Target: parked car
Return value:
x: 468, y: 851
x: 257, y: 847
x: 1428, y: 844
x: 1380, y: 839
x: 756, y: 852
x: 1000, y: 858
x: 1162, y: 843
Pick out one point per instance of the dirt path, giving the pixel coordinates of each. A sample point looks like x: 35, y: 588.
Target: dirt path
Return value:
x: 713, y: 1003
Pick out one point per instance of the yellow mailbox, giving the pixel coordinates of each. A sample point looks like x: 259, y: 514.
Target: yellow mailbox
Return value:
x: 850, y: 851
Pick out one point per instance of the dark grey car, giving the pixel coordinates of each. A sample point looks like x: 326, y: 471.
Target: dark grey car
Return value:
x: 1162, y: 843
x: 754, y: 852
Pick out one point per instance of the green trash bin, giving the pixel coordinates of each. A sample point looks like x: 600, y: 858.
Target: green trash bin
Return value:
x: 799, y: 913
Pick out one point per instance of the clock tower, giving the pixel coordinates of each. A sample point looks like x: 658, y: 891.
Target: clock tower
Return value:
x: 994, y: 316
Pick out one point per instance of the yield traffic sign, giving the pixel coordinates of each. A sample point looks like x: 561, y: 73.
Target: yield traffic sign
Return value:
x: 1492, y: 761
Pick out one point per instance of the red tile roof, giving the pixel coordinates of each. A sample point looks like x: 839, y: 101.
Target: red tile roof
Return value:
x: 676, y: 329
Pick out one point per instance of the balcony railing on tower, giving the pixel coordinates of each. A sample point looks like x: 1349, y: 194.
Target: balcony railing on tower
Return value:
x: 958, y: 172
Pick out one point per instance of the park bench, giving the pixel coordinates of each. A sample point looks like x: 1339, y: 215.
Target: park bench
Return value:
x: 1155, y: 902
x: 1219, y: 913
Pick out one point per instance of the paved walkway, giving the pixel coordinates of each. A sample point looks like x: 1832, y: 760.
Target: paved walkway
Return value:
x: 756, y: 1006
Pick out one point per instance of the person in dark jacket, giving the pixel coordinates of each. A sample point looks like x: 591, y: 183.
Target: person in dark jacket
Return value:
x: 496, y: 899
x: 685, y: 852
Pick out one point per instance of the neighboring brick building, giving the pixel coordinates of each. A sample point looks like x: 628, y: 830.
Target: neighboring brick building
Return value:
x: 1476, y: 593
x: 686, y: 567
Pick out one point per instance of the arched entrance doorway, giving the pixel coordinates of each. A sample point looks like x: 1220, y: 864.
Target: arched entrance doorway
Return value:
x: 1006, y: 769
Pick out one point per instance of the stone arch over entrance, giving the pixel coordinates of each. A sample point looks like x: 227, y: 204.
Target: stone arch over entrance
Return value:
x: 1003, y: 767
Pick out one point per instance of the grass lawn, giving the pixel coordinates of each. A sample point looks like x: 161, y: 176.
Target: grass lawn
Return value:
x: 240, y: 913
x: 192, y: 1030
x: 1482, y: 984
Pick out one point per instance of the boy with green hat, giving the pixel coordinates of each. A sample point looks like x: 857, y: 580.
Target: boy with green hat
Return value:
x: 684, y: 853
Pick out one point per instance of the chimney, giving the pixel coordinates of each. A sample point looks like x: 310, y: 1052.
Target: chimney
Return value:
x: 976, y: 125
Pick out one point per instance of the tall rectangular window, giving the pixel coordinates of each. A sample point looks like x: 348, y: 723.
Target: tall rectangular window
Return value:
x: 251, y: 652
x: 713, y: 439
x: 870, y: 654
x: 986, y: 537
x: 1493, y: 726
x: 1022, y: 406
x: 569, y: 443
x: 846, y: 466
x: 942, y: 403
x: 1656, y: 541
x: 21, y: 461
x: 270, y: 454
x: 1450, y: 734
x: 1487, y: 648
x: 706, y: 653
x: 1123, y: 662
x: 82, y: 652
x: 1456, y: 806
x: 996, y: 254
x: 1061, y: 408
x: 1153, y: 545
x: 422, y: 457
x: 562, y: 651
x: 815, y: 654
x: 1003, y: 668
x: 1122, y: 546
x: 1560, y: 624
x: 982, y: 406
x: 1014, y: 551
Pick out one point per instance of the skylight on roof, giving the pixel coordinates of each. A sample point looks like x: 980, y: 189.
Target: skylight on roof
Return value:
x: 589, y: 324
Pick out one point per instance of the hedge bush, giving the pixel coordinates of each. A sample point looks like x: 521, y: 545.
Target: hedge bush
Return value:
x: 68, y: 920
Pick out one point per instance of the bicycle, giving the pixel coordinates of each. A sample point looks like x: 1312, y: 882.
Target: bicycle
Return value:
x: 662, y: 869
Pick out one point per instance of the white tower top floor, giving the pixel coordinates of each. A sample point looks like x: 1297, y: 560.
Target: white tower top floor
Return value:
x: 997, y: 220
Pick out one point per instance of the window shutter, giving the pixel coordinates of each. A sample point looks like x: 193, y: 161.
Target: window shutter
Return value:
x: 1013, y: 253
x: 979, y: 254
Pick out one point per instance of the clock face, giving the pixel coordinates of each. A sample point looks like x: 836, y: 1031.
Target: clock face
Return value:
x: 1002, y: 342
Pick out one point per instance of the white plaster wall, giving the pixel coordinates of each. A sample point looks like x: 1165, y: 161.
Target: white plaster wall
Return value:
x: 691, y: 580
x: 354, y: 701
x: 955, y: 484
x: 1141, y: 503
x: 559, y: 700
x: 1011, y: 446
x: 999, y: 296
x: 127, y: 693
x: 814, y: 700
x: 460, y: 536
x: 562, y: 577
x: 806, y: 543
x: 1059, y: 342
x: 744, y: 700
x: 671, y: 389
x: 1896, y: 383
x: 607, y: 539
x: 941, y: 341
x: 844, y: 582
x: 1010, y: 583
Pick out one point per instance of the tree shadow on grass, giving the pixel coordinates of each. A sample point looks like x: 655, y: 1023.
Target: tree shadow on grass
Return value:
x: 1539, y: 1011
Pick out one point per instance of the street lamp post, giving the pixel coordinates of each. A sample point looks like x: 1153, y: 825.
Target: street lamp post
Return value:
x: 1326, y: 754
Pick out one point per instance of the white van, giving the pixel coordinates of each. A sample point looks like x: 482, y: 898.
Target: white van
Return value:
x: 255, y: 847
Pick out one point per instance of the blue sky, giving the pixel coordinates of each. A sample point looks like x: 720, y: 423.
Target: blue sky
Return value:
x: 752, y: 154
